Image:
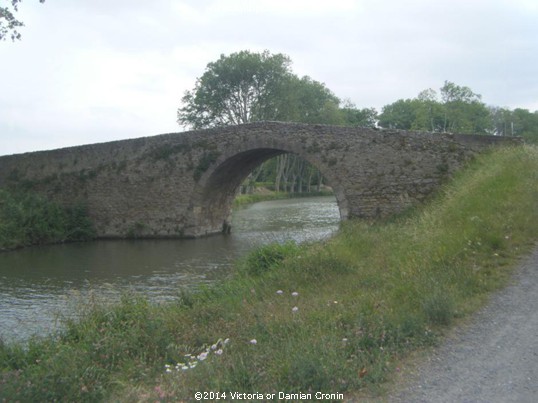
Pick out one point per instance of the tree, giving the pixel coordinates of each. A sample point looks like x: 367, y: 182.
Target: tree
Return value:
x: 366, y: 117
x: 308, y: 101
x: 526, y: 124
x: 247, y: 87
x: 502, y: 121
x: 463, y: 110
x: 9, y: 23
x: 239, y: 88
x: 399, y: 115
x: 429, y: 112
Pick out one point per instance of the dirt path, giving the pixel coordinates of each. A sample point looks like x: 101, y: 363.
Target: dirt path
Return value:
x: 495, y: 358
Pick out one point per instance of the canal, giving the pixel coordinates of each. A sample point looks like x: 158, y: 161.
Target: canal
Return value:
x: 40, y: 285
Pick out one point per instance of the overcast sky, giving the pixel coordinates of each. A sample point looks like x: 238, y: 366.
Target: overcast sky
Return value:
x: 89, y: 71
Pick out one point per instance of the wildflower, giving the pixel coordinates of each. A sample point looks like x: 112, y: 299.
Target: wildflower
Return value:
x: 294, y: 294
x: 253, y: 341
x: 219, y: 351
x: 226, y: 341
x: 280, y: 292
x: 202, y: 356
x: 294, y: 309
x: 214, y: 347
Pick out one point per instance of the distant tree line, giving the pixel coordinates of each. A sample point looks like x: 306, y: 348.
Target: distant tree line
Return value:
x: 246, y: 87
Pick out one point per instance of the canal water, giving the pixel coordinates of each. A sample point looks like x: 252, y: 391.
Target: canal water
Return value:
x: 40, y: 285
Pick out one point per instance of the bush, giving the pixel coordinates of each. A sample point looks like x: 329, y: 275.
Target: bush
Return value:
x: 29, y: 219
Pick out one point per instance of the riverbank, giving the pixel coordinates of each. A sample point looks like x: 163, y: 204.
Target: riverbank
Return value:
x: 337, y: 317
x: 264, y: 194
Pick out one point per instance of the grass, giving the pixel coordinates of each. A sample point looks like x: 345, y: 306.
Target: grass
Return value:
x: 244, y: 199
x: 332, y: 317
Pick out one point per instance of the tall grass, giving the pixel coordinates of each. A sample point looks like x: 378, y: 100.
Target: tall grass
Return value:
x: 331, y: 317
x: 28, y: 219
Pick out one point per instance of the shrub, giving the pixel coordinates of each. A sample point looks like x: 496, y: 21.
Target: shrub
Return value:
x: 29, y: 219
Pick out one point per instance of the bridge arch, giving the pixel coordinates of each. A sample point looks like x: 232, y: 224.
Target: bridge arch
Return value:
x: 217, y: 188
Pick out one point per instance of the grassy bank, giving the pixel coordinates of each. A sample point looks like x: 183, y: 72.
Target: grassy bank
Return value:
x: 29, y: 219
x: 244, y: 199
x: 332, y: 317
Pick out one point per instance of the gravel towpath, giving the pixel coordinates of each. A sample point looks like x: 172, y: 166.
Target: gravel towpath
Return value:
x: 494, y: 358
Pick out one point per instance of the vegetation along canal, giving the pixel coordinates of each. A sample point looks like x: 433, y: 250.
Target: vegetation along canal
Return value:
x: 40, y: 284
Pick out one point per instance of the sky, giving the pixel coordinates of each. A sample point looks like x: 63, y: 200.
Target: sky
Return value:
x: 89, y: 71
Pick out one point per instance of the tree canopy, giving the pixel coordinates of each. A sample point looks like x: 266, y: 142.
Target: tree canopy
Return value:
x: 246, y: 87
x: 239, y: 88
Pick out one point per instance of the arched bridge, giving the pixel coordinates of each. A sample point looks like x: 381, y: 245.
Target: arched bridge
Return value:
x: 183, y: 184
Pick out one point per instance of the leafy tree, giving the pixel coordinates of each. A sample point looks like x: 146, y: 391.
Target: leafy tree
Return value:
x: 247, y: 87
x: 308, y: 101
x: 401, y: 114
x: 519, y: 122
x: 429, y: 112
x: 366, y: 117
x: 463, y: 110
x: 9, y: 23
x: 526, y: 124
x: 502, y: 121
x: 239, y: 88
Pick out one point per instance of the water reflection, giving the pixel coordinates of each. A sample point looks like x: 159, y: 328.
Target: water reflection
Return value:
x: 38, y: 283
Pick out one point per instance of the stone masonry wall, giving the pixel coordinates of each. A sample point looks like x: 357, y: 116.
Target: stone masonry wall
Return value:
x: 183, y: 184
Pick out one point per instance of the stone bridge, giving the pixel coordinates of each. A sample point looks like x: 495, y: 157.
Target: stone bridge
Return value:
x: 183, y: 184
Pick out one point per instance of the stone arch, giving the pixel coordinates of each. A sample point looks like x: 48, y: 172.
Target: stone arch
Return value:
x: 214, y: 194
